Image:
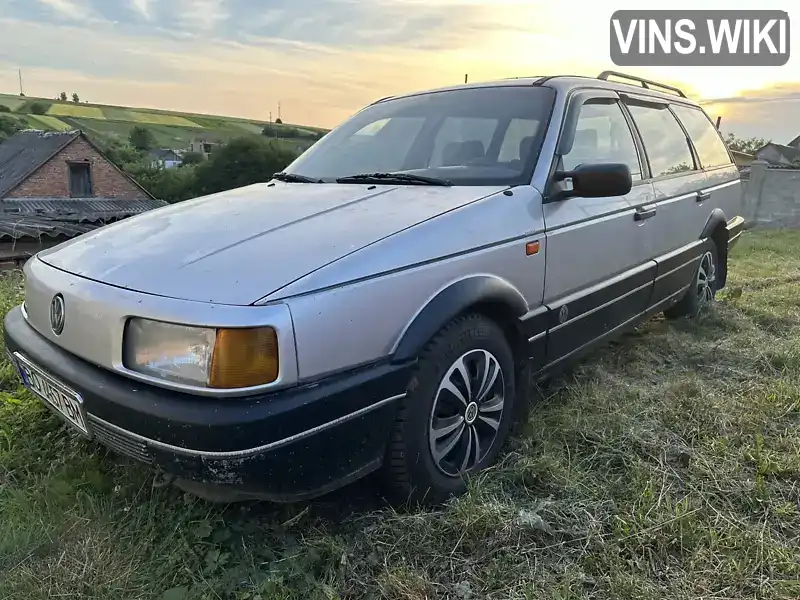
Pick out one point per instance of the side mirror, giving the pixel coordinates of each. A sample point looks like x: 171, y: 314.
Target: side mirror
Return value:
x: 596, y: 180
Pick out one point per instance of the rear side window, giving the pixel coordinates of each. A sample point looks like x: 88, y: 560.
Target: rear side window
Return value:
x: 603, y: 136
x: 665, y: 142
x: 710, y: 148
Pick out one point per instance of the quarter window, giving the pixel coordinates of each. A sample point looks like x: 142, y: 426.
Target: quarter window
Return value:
x: 710, y: 148
x: 603, y: 136
x: 665, y: 142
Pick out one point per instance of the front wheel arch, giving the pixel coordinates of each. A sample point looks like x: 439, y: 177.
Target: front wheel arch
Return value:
x: 491, y: 296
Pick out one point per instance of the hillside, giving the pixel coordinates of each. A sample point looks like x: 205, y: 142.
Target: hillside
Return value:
x: 171, y: 129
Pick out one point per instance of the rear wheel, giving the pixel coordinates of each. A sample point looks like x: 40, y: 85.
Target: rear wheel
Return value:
x: 702, y: 292
x: 457, y: 414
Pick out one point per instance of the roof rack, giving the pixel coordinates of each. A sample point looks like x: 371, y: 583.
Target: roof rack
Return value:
x: 645, y: 83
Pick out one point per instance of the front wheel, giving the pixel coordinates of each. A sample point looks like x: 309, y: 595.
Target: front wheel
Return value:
x: 703, y: 290
x: 457, y: 413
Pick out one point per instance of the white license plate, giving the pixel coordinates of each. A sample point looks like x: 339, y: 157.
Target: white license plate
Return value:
x: 57, y: 396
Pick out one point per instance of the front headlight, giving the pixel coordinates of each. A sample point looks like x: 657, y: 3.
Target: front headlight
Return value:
x: 201, y: 356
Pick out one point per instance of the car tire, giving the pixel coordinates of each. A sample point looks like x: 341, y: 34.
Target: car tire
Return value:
x: 445, y: 431
x: 703, y: 290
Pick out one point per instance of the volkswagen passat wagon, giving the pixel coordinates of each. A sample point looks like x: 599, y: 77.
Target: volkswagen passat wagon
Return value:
x: 383, y: 303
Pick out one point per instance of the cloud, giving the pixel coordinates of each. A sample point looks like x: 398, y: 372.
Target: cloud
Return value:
x: 203, y: 15
x: 143, y: 7
x: 68, y: 9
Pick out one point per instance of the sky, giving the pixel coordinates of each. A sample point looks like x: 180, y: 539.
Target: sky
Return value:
x: 322, y: 60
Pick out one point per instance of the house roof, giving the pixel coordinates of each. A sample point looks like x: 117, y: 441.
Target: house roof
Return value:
x: 23, y: 153
x: 165, y: 154
x: 788, y: 152
x: 19, y: 226
x: 78, y: 210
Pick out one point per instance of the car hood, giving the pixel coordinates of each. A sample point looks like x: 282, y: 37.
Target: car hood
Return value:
x: 239, y: 246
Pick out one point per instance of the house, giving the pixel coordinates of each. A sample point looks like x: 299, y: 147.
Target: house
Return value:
x: 165, y: 158
x: 57, y: 185
x: 778, y: 154
x: 202, y: 146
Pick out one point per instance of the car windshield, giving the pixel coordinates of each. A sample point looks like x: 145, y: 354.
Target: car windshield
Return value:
x: 468, y: 136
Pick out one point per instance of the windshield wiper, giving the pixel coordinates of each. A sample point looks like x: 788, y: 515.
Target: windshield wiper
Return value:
x: 294, y: 178
x: 396, y: 177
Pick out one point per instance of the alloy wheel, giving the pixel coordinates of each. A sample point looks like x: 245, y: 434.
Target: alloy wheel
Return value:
x: 706, y: 280
x: 466, y: 413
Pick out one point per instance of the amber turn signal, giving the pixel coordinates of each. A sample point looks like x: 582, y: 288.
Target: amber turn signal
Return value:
x: 244, y: 358
x: 532, y: 248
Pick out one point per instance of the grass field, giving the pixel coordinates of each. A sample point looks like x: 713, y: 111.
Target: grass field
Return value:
x: 75, y: 110
x: 47, y: 122
x: 665, y: 466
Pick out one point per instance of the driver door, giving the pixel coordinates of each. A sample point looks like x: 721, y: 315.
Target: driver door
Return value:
x: 599, y: 276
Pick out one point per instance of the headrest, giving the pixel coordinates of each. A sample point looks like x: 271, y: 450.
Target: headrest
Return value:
x: 525, y: 146
x: 457, y: 153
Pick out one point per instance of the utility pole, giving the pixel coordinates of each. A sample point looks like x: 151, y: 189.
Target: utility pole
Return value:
x: 466, y: 76
x: 719, y: 120
x: 21, y: 93
x: 279, y: 111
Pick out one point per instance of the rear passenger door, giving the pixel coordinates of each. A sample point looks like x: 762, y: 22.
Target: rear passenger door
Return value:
x: 723, y: 186
x: 674, y: 234
x: 598, y: 274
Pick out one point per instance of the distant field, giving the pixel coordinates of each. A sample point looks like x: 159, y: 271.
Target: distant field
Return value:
x: 170, y: 129
x: 50, y: 123
x: 75, y: 110
x: 161, y: 119
x: 12, y: 102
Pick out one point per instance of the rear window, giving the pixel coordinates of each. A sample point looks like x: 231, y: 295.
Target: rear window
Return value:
x: 705, y: 137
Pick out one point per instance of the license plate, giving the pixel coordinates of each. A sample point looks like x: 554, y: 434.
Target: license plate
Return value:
x: 66, y: 402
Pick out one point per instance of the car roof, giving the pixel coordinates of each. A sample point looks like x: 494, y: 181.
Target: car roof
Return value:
x: 566, y: 83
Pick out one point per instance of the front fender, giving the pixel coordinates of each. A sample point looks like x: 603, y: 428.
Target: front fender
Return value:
x: 452, y: 301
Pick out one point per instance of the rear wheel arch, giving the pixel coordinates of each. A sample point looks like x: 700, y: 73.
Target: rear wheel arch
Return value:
x: 716, y: 230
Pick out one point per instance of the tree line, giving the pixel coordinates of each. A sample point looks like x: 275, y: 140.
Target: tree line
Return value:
x: 240, y: 162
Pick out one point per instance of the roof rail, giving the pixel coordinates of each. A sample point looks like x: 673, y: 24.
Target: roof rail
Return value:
x: 645, y: 83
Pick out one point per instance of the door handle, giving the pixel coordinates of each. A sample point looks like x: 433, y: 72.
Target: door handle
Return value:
x: 703, y: 196
x: 641, y: 215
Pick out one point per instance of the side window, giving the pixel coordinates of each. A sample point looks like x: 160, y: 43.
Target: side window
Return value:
x: 710, y: 148
x: 603, y: 135
x: 665, y: 142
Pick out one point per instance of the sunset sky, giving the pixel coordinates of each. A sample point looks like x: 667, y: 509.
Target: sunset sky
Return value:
x: 325, y: 59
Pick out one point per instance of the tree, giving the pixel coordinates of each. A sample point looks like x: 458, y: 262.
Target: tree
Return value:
x: 76, y: 99
x: 192, y: 158
x: 748, y: 146
x: 9, y: 126
x: 278, y: 121
x: 141, y: 138
x: 241, y: 162
x: 63, y: 96
x: 37, y: 108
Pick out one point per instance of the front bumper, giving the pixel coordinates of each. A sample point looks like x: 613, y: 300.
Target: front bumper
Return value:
x: 285, y: 445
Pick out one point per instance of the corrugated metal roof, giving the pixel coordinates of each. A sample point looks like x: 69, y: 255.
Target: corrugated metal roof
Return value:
x: 17, y: 227
x: 79, y: 209
x: 23, y: 153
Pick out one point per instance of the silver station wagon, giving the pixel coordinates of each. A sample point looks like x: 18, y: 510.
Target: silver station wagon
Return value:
x: 384, y: 303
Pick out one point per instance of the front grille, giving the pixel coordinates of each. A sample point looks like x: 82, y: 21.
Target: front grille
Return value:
x: 119, y: 441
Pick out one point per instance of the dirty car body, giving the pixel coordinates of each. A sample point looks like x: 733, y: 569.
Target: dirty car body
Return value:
x: 283, y: 339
